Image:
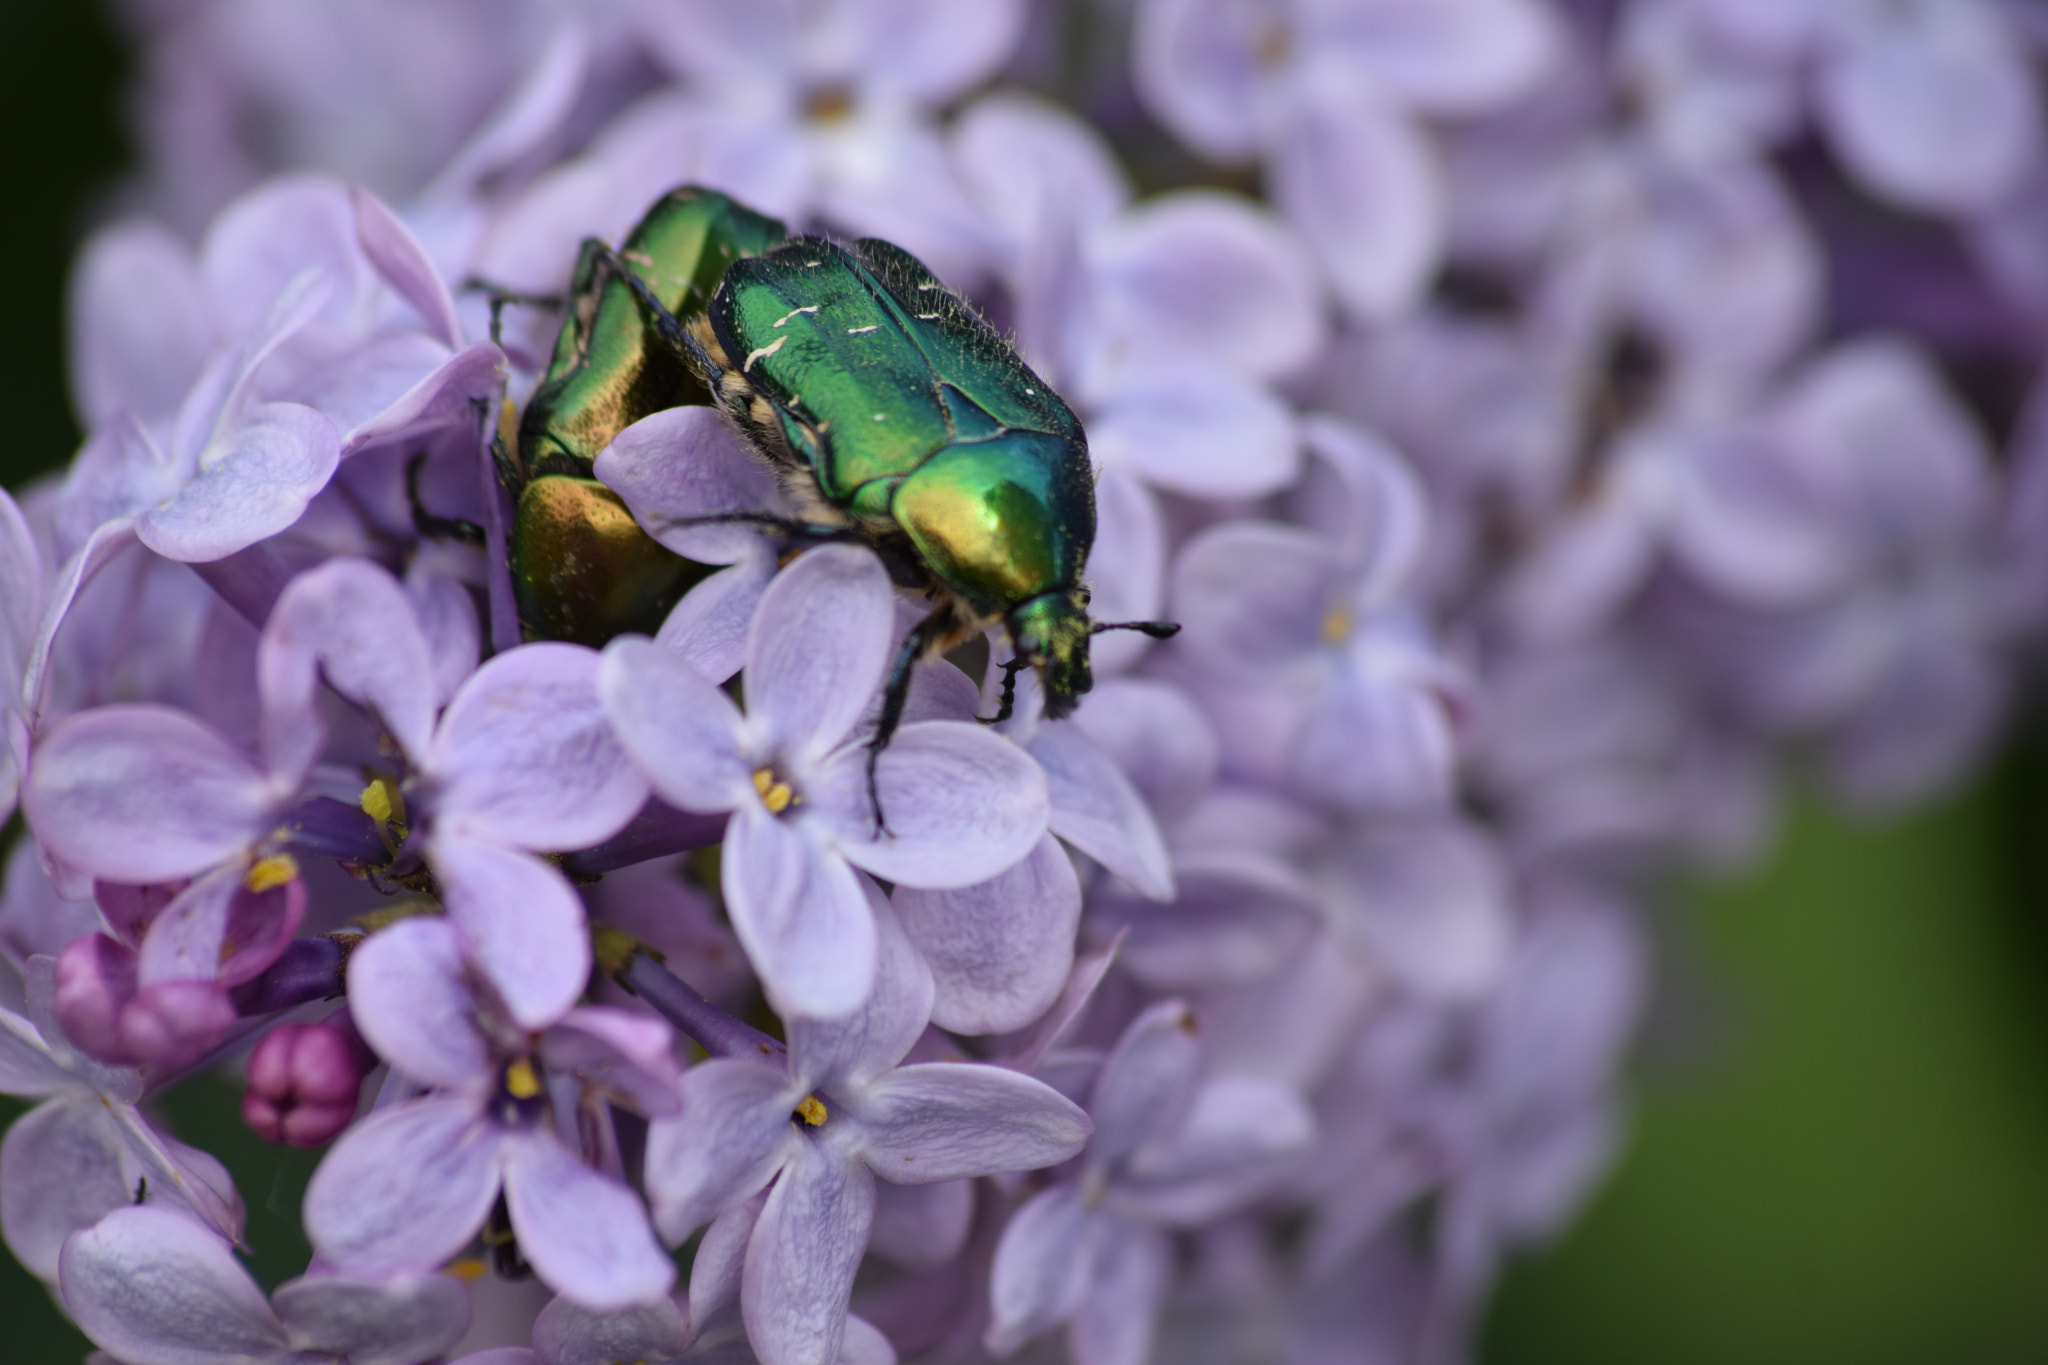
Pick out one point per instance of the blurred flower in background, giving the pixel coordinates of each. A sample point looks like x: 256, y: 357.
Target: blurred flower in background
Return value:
x: 1557, y: 427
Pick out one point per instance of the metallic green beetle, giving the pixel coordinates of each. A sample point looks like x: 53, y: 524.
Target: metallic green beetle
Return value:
x: 582, y: 569
x: 897, y: 416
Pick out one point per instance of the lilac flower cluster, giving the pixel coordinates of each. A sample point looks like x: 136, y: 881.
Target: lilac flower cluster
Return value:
x: 1523, y: 467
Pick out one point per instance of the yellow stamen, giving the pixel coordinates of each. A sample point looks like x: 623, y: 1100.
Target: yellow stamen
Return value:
x: 776, y: 794
x: 1337, y: 626
x: 811, y: 1111
x: 468, y: 1268
x: 383, y: 802
x: 272, y: 872
x: 521, y: 1081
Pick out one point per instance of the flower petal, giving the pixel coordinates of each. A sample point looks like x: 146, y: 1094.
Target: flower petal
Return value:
x: 565, y: 1334
x: 405, y: 1189
x: 847, y: 1053
x: 143, y: 794
x: 585, y: 1234
x: 801, y: 1259
x: 1041, y: 1269
x: 156, y: 1287
x: 1239, y: 916
x: 375, y: 1322
x: 821, y: 638
x: 686, y: 462
x: 708, y: 628
x: 1097, y: 810
x: 525, y: 755
x: 961, y: 805
x: 734, y: 1132
x: 407, y: 995
x: 677, y: 726
x: 255, y: 479
x: 1190, y: 426
x: 801, y: 915
x: 952, y: 1120
x: 1147, y: 1083
x: 1133, y: 1268
x: 59, y: 1172
x: 522, y: 922
x: 397, y: 256
x: 1000, y: 950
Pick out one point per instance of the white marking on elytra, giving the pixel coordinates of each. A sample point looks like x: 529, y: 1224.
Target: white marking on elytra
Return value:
x: 770, y: 349
x: 862, y: 331
x: 881, y: 417
x: 812, y: 265
x: 793, y: 312
x: 1031, y: 393
x: 926, y: 317
x: 926, y: 288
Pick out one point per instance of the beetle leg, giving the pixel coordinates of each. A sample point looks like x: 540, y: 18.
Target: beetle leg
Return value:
x: 500, y: 296
x: 789, y: 526
x: 896, y: 692
x: 1009, y: 702
x: 428, y: 525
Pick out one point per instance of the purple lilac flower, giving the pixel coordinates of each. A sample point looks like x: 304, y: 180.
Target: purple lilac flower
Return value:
x: 152, y: 1286
x: 960, y: 806
x: 407, y: 1189
x: 817, y: 1131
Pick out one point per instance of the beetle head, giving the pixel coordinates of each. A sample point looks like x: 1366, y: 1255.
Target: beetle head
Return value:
x: 1050, y: 632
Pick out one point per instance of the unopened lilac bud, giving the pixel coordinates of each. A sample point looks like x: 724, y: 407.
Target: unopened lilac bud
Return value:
x: 303, y: 1081
x: 172, y: 1024
x: 95, y: 979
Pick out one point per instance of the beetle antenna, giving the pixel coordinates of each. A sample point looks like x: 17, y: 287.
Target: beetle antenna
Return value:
x: 1158, y: 630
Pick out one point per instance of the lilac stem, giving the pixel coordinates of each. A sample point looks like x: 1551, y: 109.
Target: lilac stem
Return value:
x: 675, y: 1000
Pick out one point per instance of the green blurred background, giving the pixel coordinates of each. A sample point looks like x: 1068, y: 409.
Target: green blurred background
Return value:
x: 1850, y: 1165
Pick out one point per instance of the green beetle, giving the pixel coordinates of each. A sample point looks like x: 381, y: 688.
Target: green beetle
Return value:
x: 582, y: 569
x: 897, y: 416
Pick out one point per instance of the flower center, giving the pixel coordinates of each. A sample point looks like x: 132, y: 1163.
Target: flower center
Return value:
x: 522, y: 1082
x: 384, y: 803
x: 270, y: 873
x: 829, y: 104
x: 811, y: 1111
x: 1272, y: 44
x: 776, y: 794
x: 1337, y: 626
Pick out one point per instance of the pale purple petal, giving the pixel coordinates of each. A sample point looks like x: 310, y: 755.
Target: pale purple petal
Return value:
x: 396, y: 255
x: 820, y: 642
x: 951, y: 1120
x: 961, y: 805
x: 140, y: 328
x: 708, y: 628
x: 448, y: 393
x: 351, y: 621
x: 1236, y: 1136
x: 143, y: 794
x: 1432, y: 903
x: 525, y: 755
x: 1197, y: 68
x: 921, y: 1227
x: 630, y: 1057
x: 408, y: 997
x: 585, y: 1234
x: 1147, y: 1084
x: 375, y: 1322
x: 565, y: 1334
x: 734, y: 1132
x: 1127, y: 567
x: 1190, y: 426
x: 800, y: 914
x: 60, y: 1170
x: 255, y: 478
x: 1354, y: 175
x: 1041, y: 1270
x: 1030, y: 165
x: 1210, y: 273
x: 1133, y: 1267
x: 1000, y: 950
x: 866, y: 1044
x: 405, y: 1189
x: 801, y: 1260
x: 272, y: 236
x: 677, y: 726
x: 1255, y: 594
x: 156, y: 1287
x: 27, y: 1068
x: 1097, y: 810
x: 1160, y: 740
x: 184, y: 940
x: 522, y: 922
x: 1448, y: 57
x: 927, y: 51
x: 448, y: 618
x: 721, y: 1259
x: 1239, y: 916
x: 686, y: 462
x: 1377, y: 738
x: 1934, y: 105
